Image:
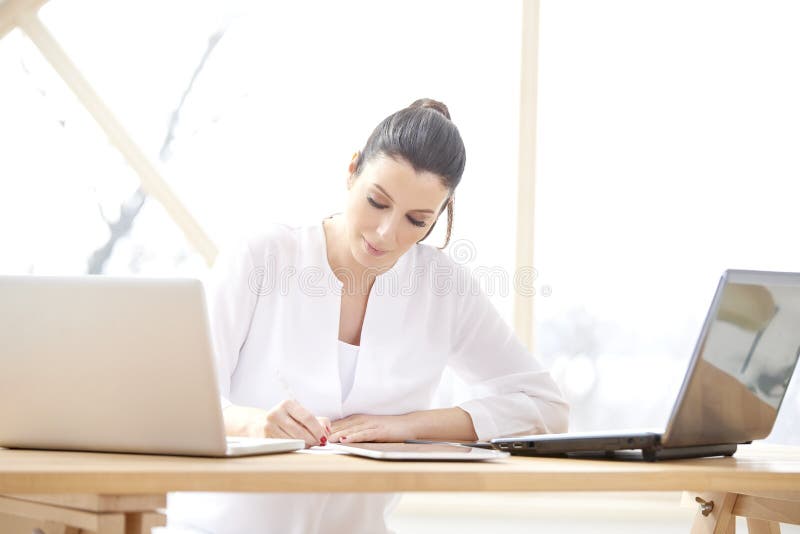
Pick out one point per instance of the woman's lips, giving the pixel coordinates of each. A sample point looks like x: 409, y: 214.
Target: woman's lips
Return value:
x: 372, y: 250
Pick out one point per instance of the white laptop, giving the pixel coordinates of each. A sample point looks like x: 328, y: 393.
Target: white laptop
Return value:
x: 99, y: 363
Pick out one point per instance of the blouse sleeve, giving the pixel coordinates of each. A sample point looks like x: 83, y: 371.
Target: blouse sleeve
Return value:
x: 232, y: 294
x: 520, y: 395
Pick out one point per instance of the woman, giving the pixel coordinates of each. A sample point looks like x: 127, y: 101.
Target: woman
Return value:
x: 340, y: 332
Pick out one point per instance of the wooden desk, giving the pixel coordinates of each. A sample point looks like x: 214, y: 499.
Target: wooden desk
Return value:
x: 70, y: 493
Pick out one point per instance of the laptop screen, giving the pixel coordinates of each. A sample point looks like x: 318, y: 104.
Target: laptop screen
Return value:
x: 743, y: 361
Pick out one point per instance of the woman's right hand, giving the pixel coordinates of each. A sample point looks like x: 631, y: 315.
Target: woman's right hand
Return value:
x: 289, y: 419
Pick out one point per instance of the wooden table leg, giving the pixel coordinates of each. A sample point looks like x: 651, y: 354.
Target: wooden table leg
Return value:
x: 144, y: 522
x: 760, y: 526
x: 81, y: 514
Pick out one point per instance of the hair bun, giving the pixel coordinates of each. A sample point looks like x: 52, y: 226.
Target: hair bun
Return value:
x: 431, y: 104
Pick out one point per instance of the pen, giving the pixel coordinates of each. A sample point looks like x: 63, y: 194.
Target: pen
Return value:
x: 290, y: 394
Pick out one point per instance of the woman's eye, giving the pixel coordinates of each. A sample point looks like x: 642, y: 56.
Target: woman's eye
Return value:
x: 375, y: 204
x: 416, y: 222
x: 412, y: 220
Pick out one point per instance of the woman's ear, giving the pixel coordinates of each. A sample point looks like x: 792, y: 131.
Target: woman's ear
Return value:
x: 353, y: 163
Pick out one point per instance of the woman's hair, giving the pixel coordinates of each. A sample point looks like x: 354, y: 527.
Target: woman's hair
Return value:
x: 423, y: 136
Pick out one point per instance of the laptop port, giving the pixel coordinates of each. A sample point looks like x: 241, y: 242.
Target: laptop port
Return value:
x: 519, y: 445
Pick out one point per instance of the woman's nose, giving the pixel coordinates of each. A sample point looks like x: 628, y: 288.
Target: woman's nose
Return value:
x: 386, y: 231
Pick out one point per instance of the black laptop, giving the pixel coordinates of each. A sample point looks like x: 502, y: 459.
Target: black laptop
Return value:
x: 738, y: 376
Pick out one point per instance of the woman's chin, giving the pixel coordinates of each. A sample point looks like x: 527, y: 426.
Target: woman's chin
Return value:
x: 366, y: 260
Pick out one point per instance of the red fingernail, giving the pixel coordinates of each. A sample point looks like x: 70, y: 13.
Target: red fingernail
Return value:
x: 343, y: 438
x: 323, y: 440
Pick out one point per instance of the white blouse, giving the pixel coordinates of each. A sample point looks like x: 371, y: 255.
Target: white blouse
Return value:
x: 274, y: 306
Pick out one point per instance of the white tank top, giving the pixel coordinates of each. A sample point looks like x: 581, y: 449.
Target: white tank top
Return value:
x: 348, y: 357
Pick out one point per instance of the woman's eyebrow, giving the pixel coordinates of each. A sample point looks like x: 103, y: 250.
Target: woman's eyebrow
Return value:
x: 390, y: 198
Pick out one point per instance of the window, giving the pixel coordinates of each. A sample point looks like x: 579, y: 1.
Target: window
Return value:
x: 667, y: 151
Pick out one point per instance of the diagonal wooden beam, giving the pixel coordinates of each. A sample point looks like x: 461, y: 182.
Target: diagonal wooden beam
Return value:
x: 12, y: 10
x: 765, y: 509
x: 151, y: 180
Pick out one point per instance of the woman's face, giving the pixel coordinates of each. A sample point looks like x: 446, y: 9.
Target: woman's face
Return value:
x: 389, y: 208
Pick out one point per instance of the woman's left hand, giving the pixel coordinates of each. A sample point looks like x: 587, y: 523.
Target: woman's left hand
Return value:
x: 359, y: 428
